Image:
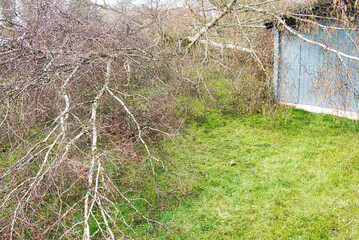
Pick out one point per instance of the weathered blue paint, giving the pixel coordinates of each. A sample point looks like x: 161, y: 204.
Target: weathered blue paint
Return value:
x: 310, y: 75
x: 276, y: 65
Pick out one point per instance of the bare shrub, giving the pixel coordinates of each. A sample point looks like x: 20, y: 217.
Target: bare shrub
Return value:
x: 83, y: 106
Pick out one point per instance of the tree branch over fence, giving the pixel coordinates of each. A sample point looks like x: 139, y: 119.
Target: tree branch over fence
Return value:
x: 324, y: 46
x: 282, y: 22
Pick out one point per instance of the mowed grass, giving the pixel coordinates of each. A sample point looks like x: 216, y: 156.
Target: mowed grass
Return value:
x: 295, y: 176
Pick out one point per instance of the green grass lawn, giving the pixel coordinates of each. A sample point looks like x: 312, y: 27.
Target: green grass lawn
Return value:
x: 294, y: 176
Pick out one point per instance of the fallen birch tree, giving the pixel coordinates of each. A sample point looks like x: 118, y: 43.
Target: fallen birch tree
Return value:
x: 78, y: 125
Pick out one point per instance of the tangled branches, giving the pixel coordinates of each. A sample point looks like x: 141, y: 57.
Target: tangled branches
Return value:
x: 80, y: 102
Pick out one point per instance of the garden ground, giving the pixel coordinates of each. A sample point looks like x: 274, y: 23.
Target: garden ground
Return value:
x: 292, y: 176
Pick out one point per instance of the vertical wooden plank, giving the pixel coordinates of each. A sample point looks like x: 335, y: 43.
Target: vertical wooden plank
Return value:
x: 311, y: 71
x: 289, y: 68
x: 276, y: 66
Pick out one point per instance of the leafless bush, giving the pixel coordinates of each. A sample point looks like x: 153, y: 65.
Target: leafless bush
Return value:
x: 81, y: 102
